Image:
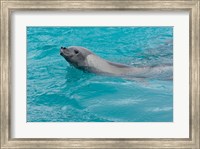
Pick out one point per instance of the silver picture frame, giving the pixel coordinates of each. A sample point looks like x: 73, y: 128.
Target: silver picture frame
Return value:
x: 10, y: 6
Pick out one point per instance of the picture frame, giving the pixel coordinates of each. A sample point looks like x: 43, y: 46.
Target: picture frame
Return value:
x: 8, y: 7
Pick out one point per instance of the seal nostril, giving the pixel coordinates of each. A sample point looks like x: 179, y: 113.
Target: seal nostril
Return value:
x: 64, y: 48
x: 61, y: 47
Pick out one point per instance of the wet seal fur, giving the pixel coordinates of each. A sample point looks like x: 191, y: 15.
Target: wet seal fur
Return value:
x: 84, y: 59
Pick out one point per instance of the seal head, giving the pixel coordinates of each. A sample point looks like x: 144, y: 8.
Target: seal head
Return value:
x: 75, y: 55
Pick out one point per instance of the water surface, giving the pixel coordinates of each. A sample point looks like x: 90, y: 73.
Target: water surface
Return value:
x: 58, y: 92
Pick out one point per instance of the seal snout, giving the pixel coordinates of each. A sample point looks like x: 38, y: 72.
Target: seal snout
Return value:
x: 64, y: 51
x: 63, y: 48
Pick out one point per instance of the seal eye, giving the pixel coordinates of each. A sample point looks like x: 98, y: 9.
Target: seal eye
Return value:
x: 76, y: 51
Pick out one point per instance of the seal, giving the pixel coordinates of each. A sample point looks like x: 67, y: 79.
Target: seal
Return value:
x: 86, y: 60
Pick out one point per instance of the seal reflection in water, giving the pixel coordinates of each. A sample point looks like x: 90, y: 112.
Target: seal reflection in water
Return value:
x: 86, y: 60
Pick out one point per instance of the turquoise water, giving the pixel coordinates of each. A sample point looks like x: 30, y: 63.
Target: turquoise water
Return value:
x: 58, y: 92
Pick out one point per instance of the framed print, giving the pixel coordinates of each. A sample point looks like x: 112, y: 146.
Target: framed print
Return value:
x: 100, y: 74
